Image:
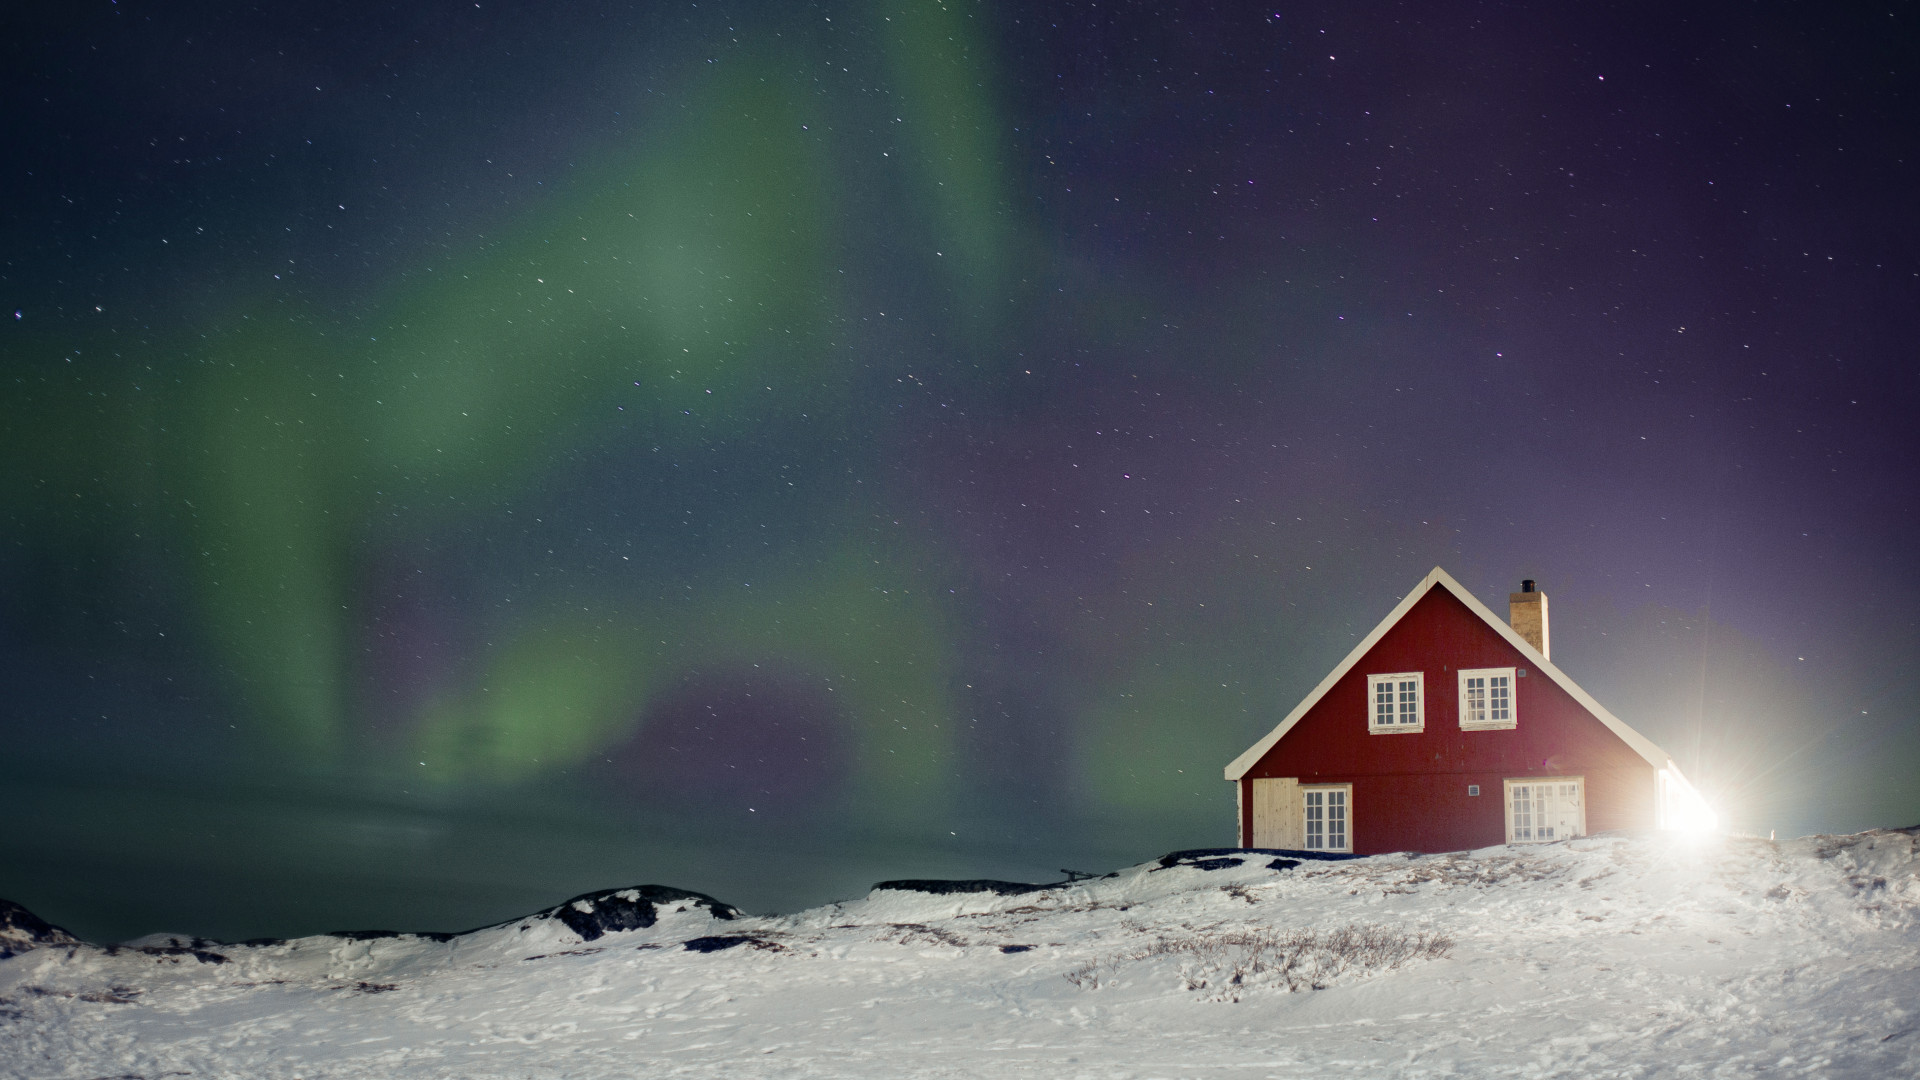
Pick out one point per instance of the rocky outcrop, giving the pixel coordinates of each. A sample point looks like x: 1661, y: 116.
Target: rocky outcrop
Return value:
x: 594, y: 914
x: 21, y: 930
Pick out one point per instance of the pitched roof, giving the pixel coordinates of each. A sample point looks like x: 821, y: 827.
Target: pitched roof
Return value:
x: 1640, y: 743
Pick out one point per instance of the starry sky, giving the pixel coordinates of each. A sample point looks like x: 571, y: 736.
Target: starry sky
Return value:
x: 456, y: 455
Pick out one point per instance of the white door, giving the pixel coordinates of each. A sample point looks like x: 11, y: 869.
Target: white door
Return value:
x: 1325, y: 818
x: 1542, y: 811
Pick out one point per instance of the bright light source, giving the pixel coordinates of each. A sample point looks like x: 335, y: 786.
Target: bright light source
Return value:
x: 1694, y: 815
x: 1681, y: 807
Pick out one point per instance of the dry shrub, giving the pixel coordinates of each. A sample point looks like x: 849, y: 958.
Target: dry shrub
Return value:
x: 922, y: 934
x: 1445, y: 871
x: 1227, y: 964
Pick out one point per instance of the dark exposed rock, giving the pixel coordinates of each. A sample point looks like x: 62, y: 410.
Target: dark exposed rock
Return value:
x: 1221, y: 858
x: 596, y: 913
x: 718, y: 942
x: 1196, y: 858
x: 21, y: 930
x: 981, y: 885
x: 1014, y: 948
x: 591, y: 915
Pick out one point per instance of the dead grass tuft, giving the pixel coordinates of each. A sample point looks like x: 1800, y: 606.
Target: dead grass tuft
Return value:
x: 1228, y: 964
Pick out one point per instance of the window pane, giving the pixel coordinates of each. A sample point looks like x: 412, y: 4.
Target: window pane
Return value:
x: 1409, y: 701
x: 1337, y: 820
x: 1498, y: 703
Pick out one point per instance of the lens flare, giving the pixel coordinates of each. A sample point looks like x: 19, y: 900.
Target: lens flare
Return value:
x: 1682, y: 809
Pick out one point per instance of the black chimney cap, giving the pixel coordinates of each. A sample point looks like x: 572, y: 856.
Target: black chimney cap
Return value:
x: 1527, y: 585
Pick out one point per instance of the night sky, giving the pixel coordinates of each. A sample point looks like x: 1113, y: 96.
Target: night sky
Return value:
x: 455, y: 456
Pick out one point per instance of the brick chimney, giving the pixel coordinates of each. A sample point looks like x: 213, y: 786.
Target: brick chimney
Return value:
x: 1527, y: 613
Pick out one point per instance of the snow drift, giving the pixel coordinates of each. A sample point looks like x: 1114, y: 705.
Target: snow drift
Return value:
x: 1642, y: 956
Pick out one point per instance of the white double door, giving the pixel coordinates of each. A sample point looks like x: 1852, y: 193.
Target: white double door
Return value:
x: 1544, y: 810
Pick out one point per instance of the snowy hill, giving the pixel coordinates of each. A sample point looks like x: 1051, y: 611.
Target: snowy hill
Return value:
x: 1604, y: 956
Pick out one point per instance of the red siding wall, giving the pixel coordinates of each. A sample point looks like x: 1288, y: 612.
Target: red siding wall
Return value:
x: 1410, y: 790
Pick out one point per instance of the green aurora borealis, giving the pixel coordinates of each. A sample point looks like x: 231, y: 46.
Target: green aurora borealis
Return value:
x: 699, y: 269
x: 807, y: 473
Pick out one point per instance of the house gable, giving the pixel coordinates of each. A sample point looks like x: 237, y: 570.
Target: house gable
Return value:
x: 1440, y: 580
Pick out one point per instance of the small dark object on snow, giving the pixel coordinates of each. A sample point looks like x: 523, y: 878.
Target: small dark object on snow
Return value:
x: 1014, y: 948
x: 1283, y: 864
x: 718, y: 942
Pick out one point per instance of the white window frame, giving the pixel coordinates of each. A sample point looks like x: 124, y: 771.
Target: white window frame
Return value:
x: 1316, y: 796
x: 1397, y: 726
x: 1533, y: 832
x: 1489, y: 674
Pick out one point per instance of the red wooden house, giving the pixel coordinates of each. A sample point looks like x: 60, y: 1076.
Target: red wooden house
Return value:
x: 1445, y: 729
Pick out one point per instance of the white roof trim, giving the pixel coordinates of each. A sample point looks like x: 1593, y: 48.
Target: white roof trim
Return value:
x: 1640, y: 743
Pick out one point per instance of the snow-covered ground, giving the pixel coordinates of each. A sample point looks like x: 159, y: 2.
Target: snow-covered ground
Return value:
x: 1604, y: 956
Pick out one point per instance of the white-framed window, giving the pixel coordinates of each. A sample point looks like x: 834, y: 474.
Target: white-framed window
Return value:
x: 1329, y: 817
x: 1396, y: 702
x: 1545, y: 809
x: 1486, y: 699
